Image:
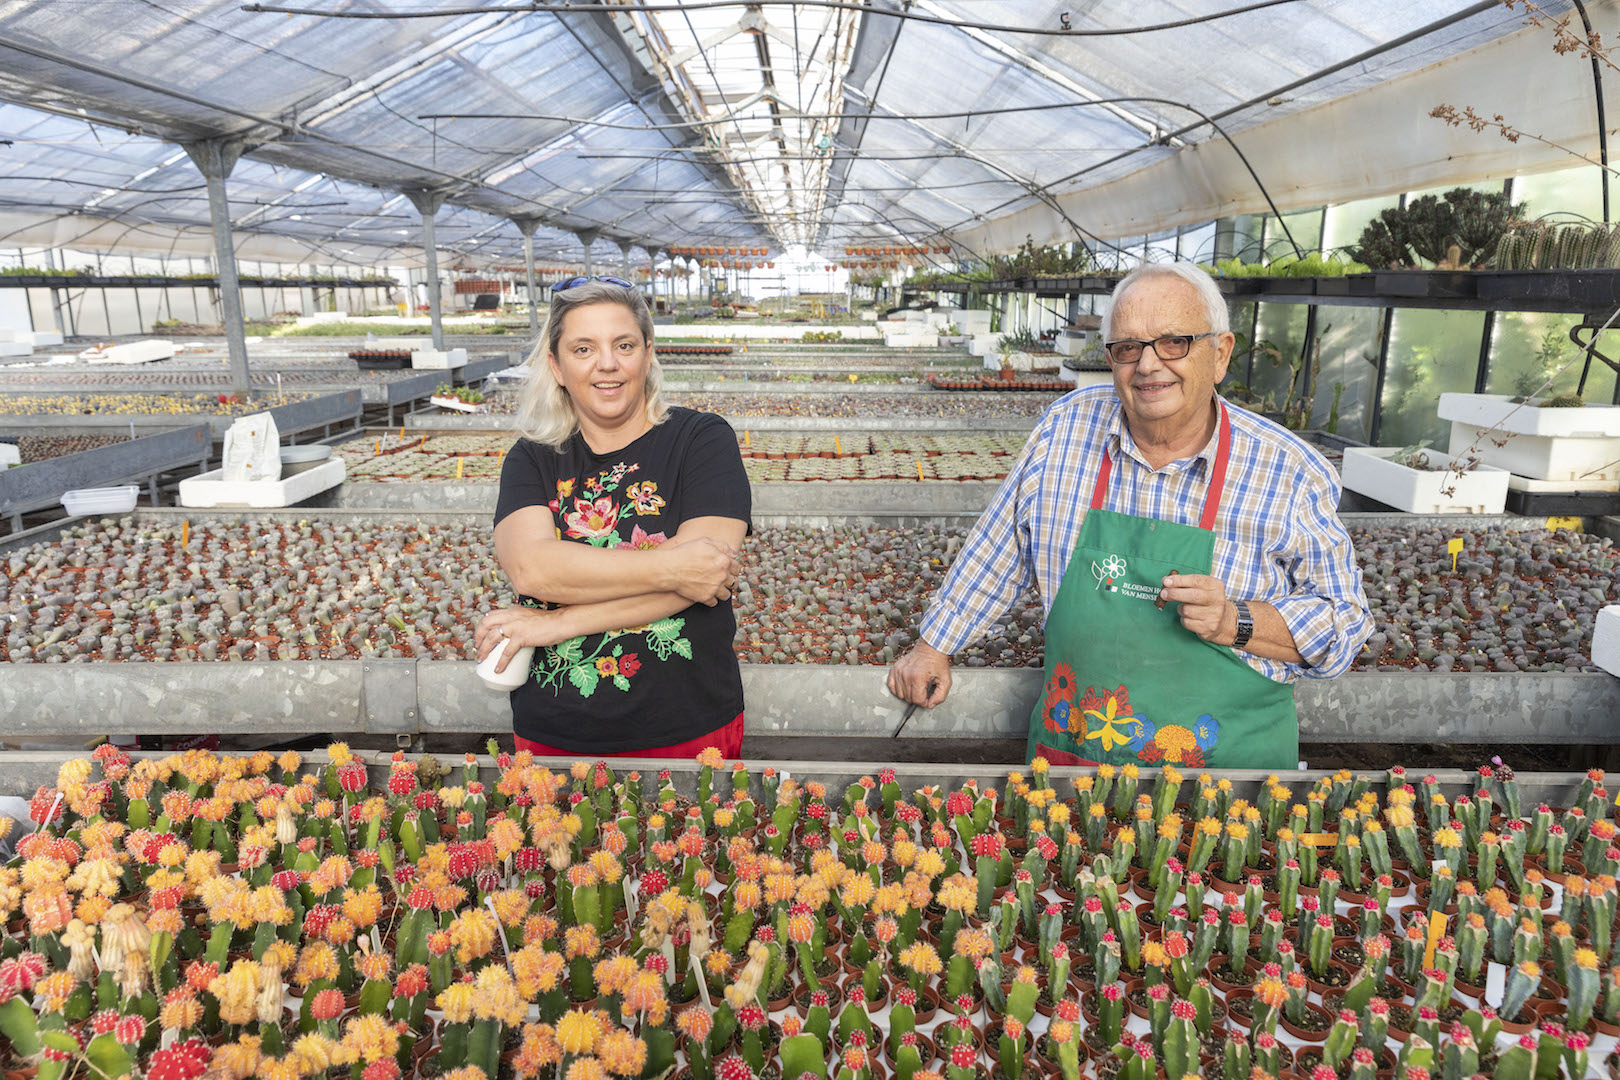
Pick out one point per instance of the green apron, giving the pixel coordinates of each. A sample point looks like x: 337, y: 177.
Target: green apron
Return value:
x: 1125, y: 681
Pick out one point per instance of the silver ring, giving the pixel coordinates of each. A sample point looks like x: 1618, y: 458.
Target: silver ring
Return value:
x: 501, y: 630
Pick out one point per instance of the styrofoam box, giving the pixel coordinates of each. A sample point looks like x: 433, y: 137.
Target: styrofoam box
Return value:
x: 1606, y: 639
x: 210, y: 490
x: 1368, y: 471
x: 972, y: 322
x: 16, y: 348
x: 1563, y: 487
x: 437, y: 360
x: 1541, y: 457
x: 138, y: 352
x: 329, y: 316
x: 83, y: 502
x: 909, y: 339
x: 1502, y: 413
x: 984, y: 344
x: 39, y: 338
x: 1074, y: 342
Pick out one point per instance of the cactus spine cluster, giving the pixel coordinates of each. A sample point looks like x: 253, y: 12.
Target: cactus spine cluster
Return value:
x: 1545, y: 246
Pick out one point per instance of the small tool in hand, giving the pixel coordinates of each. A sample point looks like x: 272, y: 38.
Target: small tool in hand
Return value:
x: 1159, y: 602
x: 933, y: 684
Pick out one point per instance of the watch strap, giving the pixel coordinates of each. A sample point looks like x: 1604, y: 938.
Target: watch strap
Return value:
x: 1245, y: 624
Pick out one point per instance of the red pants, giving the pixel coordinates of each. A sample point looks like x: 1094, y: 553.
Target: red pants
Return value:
x: 1055, y: 756
x: 726, y: 739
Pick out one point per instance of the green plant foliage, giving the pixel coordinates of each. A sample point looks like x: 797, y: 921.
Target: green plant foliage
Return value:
x: 1423, y: 232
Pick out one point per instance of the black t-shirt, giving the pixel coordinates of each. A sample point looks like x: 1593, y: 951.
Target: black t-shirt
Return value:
x: 649, y: 686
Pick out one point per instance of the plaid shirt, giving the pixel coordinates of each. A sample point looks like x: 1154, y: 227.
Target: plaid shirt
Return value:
x: 1278, y: 537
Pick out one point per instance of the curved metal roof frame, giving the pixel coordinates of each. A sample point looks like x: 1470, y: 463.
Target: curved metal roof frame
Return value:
x: 329, y: 112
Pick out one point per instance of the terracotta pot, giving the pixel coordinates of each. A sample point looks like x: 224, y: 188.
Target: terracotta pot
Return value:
x: 1305, y: 1034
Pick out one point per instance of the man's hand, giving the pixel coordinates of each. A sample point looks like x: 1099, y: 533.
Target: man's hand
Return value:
x: 521, y: 626
x: 913, y: 674
x: 1205, y: 610
x: 702, y: 570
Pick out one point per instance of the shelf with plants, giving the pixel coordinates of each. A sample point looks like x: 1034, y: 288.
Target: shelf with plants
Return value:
x: 270, y: 915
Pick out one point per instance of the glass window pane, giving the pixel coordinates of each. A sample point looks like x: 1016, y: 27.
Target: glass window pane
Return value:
x: 1567, y: 191
x: 1430, y: 353
x: 1528, y: 348
x: 1238, y: 238
x: 1346, y: 370
x: 1198, y: 243
x: 1270, y: 368
x: 1306, y: 227
x: 1343, y: 224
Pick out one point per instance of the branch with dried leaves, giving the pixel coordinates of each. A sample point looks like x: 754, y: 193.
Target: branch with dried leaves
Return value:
x: 1479, y: 123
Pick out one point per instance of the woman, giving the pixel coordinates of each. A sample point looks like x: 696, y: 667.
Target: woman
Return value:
x: 620, y: 523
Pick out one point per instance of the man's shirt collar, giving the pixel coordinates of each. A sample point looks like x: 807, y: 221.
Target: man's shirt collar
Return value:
x: 1119, y: 441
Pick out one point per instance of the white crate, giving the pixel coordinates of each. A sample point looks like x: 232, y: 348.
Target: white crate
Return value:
x: 457, y: 405
x: 909, y: 339
x: 328, y: 316
x: 437, y: 360
x: 1368, y: 471
x: 209, y: 489
x: 16, y: 348
x: 1541, y: 457
x: 1502, y: 413
x: 39, y: 338
x: 1606, y: 639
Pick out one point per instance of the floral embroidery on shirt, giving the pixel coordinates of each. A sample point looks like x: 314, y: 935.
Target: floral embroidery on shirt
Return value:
x: 644, y: 497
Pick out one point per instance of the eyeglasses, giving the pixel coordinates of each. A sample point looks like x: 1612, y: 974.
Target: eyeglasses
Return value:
x: 1169, y: 347
x: 576, y: 282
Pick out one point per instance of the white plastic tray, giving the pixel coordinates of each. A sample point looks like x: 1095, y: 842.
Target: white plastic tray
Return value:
x: 83, y: 502
x: 435, y: 360
x: 1368, y: 471
x: 1606, y: 639
x: 1542, y: 457
x: 1498, y: 411
x: 210, y: 489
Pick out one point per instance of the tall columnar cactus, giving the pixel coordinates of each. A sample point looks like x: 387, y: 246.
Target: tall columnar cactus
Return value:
x: 1583, y: 988
x: 1181, y: 1041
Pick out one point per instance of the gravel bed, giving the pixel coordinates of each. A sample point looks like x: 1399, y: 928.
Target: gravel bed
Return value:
x: 265, y: 590
x: 43, y: 447
x: 939, y: 405
x: 334, y: 373
x: 134, y: 404
x: 768, y: 457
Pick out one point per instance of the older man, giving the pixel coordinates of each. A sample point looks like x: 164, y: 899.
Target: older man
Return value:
x: 1210, y: 572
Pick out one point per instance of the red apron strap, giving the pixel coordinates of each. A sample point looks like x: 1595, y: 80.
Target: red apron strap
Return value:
x: 1217, y: 478
x: 1099, y: 491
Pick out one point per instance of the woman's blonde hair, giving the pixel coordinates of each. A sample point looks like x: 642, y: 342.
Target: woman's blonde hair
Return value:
x: 545, y: 411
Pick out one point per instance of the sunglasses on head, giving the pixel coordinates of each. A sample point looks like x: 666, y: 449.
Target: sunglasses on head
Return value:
x: 576, y: 282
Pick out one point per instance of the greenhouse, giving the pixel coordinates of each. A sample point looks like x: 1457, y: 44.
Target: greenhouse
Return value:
x: 783, y: 539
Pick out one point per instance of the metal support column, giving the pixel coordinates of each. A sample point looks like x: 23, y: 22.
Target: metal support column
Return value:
x: 624, y: 260
x: 526, y: 226
x: 1386, y: 333
x: 427, y: 203
x: 215, y: 158
x: 587, y: 237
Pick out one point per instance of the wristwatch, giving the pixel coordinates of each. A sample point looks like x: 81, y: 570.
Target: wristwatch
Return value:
x: 1245, y: 624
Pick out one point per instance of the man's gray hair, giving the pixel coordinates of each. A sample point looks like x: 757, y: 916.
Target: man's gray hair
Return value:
x: 1220, y: 321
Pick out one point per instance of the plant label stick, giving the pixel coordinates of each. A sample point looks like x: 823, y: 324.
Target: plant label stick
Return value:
x: 459, y: 463
x: 1437, y: 927
x: 919, y: 470
x: 838, y: 447
x: 185, y: 534
x: 1454, y: 546
x: 748, y: 439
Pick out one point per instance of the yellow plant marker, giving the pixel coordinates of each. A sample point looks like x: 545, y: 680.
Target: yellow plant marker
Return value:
x: 185, y: 534
x: 402, y: 433
x: 459, y: 463
x: 1437, y: 927
x: 852, y: 377
x: 748, y: 439
x: 1454, y: 546
x: 919, y: 470
x: 838, y: 447
x: 1563, y: 523
x: 379, y: 446
x: 1318, y: 839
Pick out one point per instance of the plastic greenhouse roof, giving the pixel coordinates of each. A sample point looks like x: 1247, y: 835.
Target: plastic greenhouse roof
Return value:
x: 681, y: 122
